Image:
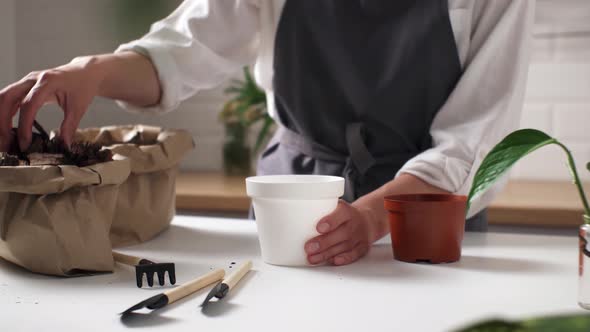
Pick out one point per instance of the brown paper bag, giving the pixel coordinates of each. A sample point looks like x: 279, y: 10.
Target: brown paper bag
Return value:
x: 56, y: 219
x: 147, y: 200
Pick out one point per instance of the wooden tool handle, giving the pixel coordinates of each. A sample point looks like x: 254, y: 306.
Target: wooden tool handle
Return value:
x: 126, y: 259
x: 238, y: 274
x: 194, y: 285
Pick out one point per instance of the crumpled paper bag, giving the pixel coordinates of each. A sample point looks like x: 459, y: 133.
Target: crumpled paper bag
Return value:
x: 56, y: 219
x: 146, y: 202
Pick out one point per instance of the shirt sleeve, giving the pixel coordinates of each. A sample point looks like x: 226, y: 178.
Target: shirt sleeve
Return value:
x: 200, y: 45
x: 486, y: 103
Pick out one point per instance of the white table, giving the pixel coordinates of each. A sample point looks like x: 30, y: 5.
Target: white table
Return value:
x: 503, y: 275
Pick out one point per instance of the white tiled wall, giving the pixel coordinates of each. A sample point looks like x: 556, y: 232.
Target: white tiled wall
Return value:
x: 49, y: 33
x: 558, y: 91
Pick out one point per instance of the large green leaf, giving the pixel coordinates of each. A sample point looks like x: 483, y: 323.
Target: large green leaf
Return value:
x: 504, y: 155
x: 568, y: 323
x: 510, y: 150
x: 494, y: 325
x: 572, y: 323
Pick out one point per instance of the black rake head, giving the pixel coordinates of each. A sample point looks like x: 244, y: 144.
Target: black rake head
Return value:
x: 149, y: 269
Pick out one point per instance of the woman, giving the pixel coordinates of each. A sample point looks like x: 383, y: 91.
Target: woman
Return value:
x: 396, y: 96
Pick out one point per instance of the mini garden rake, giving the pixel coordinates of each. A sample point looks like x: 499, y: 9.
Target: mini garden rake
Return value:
x: 148, y: 268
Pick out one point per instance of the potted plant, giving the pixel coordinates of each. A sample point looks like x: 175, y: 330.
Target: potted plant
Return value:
x: 240, y: 114
x: 510, y: 150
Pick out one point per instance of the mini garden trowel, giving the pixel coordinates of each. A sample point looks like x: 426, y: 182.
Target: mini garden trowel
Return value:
x: 222, y: 288
x: 163, y: 299
x: 148, y: 268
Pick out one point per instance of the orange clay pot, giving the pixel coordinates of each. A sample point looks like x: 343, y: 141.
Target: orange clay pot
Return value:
x: 426, y: 228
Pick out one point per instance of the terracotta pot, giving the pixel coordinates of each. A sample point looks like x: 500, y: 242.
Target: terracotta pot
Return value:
x: 426, y: 227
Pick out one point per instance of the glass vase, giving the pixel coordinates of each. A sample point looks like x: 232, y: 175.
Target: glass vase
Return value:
x: 584, y: 268
x: 237, y: 157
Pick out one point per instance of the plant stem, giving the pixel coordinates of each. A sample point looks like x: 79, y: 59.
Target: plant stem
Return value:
x: 577, y: 182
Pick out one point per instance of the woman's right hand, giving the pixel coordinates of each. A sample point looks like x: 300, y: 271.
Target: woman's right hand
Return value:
x: 72, y: 86
x: 125, y: 76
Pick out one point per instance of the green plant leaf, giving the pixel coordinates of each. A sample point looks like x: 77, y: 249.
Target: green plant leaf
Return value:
x: 504, y: 155
x: 248, y: 106
x: 232, y: 90
x: 588, y: 166
x: 240, y: 111
x: 494, y: 325
x: 569, y: 323
x: 510, y: 150
x: 572, y: 323
x: 248, y: 76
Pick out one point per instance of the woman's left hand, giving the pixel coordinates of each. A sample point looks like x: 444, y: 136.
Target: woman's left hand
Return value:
x: 345, y: 236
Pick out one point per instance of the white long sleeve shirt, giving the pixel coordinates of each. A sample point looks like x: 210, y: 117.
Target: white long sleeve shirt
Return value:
x: 204, y: 42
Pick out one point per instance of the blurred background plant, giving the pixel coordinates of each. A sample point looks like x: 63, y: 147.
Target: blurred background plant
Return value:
x: 134, y: 17
x: 245, y: 112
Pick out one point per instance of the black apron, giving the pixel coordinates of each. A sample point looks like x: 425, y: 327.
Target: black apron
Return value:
x: 357, y: 84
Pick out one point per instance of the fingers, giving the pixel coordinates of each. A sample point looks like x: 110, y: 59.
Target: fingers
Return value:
x: 344, y: 237
x: 64, y: 85
x: 10, y: 100
x: 338, y: 249
x: 336, y: 218
x: 323, y: 242
x: 350, y: 256
x: 42, y: 92
x: 72, y: 118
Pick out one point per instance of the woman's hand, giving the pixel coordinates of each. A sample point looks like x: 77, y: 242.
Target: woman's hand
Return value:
x: 346, y: 235
x: 72, y: 87
x: 125, y: 76
x: 348, y: 232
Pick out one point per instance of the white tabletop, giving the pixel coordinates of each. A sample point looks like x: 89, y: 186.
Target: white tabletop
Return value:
x: 512, y: 276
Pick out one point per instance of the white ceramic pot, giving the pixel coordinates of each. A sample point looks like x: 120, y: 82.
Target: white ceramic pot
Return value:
x: 287, y: 209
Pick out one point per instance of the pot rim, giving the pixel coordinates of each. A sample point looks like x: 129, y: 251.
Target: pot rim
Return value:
x: 291, y: 186
x: 395, y: 202
x: 425, y: 198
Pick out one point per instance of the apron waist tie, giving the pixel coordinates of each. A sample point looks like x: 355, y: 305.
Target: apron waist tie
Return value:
x: 356, y: 164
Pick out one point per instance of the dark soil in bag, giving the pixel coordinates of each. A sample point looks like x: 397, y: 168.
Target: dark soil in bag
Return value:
x: 46, y: 151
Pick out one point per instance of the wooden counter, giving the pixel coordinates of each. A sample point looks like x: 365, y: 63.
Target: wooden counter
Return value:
x: 211, y: 192
x: 526, y: 203
x: 538, y: 203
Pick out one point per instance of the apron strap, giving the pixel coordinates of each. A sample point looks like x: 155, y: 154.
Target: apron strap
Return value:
x: 299, y: 143
x: 308, y: 147
x: 359, y: 154
x: 355, y: 165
